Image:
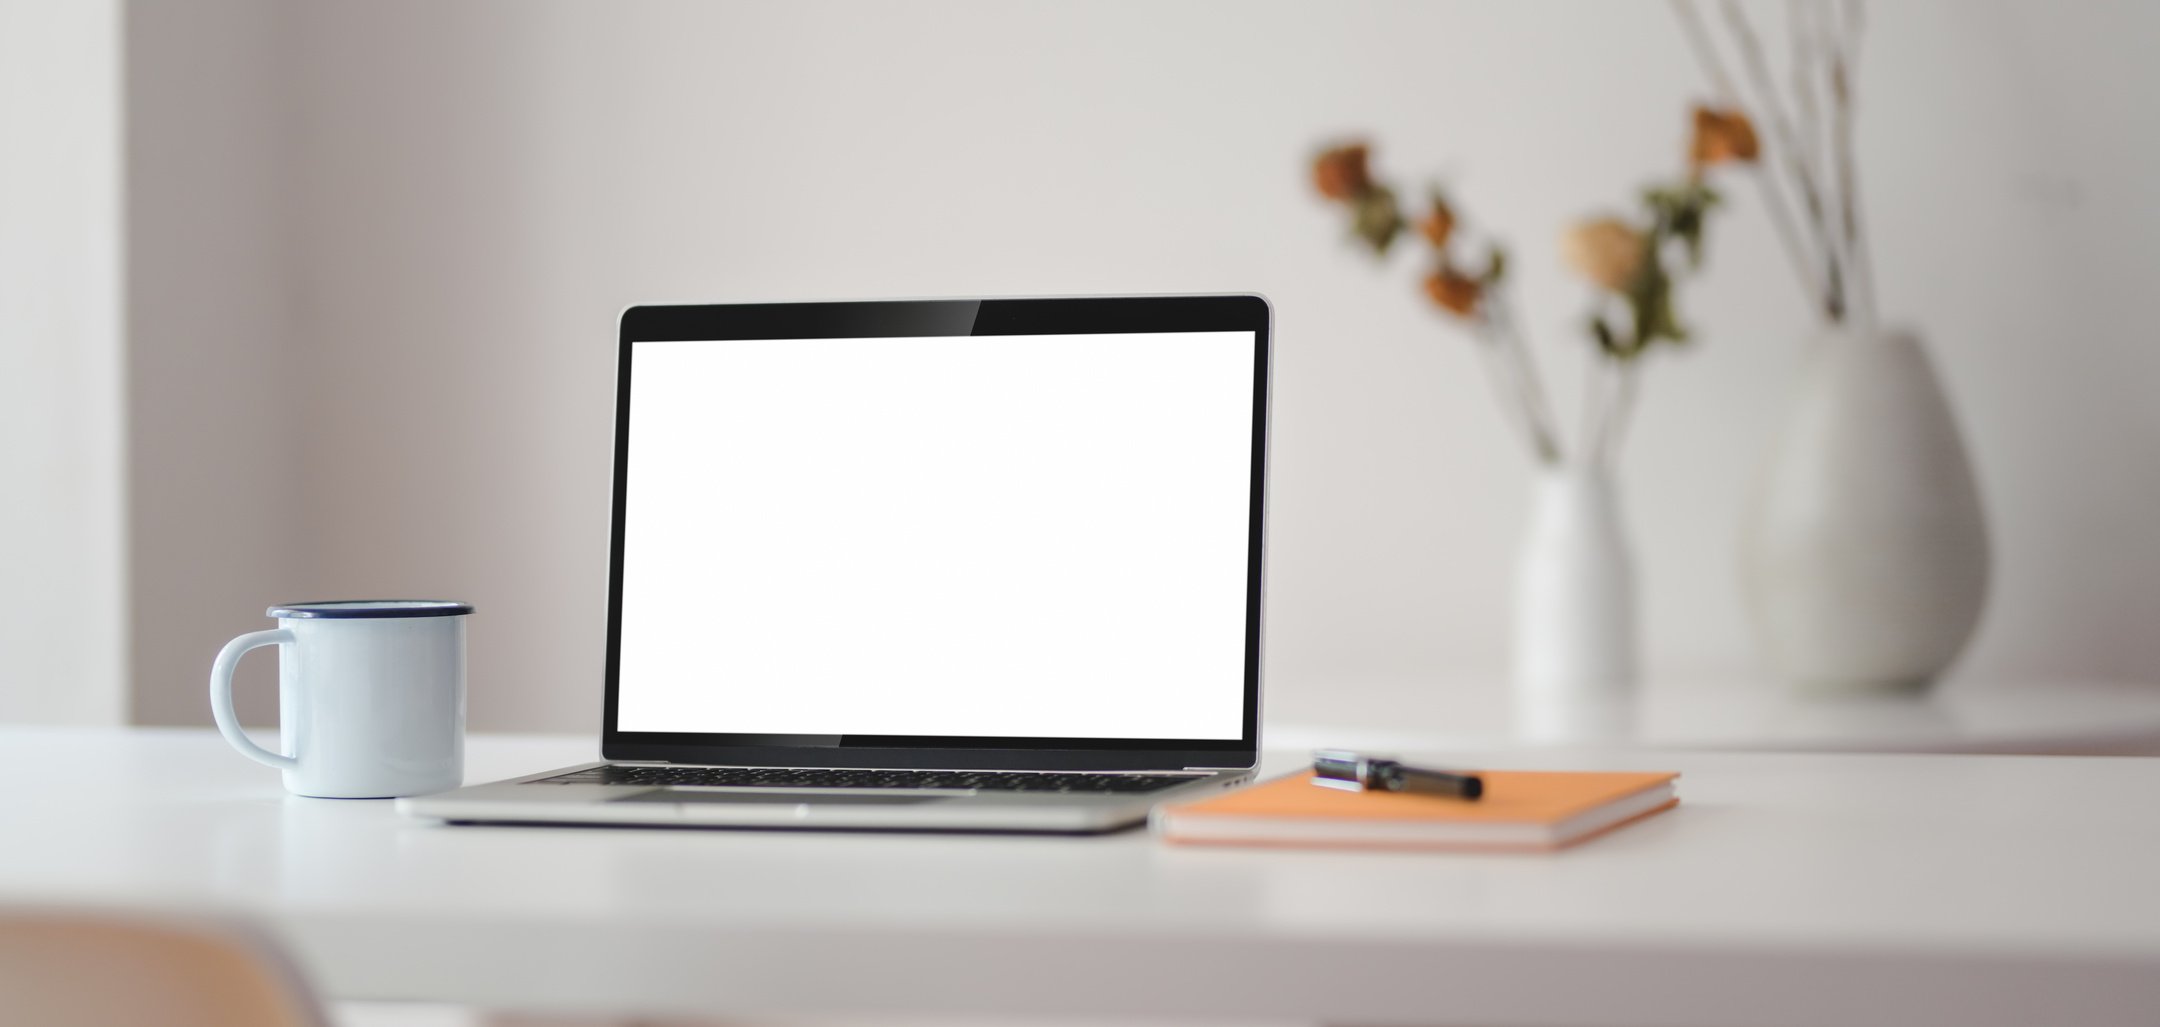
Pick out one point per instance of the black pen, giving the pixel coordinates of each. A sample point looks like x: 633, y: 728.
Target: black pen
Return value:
x: 1340, y: 768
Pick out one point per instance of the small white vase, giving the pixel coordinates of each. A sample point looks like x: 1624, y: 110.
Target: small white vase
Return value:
x: 1575, y: 627
x: 1865, y: 552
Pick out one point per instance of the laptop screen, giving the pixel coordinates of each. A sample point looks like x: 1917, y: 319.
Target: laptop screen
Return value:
x: 1005, y: 536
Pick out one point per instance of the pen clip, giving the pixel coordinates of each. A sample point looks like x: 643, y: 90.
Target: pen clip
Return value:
x: 1339, y: 768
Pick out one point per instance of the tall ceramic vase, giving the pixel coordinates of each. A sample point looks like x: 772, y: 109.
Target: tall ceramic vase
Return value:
x: 1575, y: 649
x: 1865, y: 552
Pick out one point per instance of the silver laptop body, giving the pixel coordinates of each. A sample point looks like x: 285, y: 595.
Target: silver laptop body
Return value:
x: 959, y: 565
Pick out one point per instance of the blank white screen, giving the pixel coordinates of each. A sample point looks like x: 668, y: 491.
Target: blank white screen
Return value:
x: 1032, y: 536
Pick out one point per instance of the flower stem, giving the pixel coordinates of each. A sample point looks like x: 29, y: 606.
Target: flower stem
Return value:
x: 1618, y: 414
x: 1522, y: 372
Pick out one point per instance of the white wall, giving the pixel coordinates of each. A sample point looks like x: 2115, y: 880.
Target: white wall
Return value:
x: 63, y: 615
x: 474, y: 190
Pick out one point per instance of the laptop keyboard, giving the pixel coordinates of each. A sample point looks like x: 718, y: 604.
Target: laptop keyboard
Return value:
x: 955, y: 780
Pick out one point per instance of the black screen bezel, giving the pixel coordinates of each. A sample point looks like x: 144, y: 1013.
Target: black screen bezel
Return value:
x: 914, y: 318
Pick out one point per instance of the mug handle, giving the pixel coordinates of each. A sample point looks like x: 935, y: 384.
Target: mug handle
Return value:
x: 221, y: 707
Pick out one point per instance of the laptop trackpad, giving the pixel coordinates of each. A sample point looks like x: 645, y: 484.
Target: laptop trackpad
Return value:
x: 703, y: 795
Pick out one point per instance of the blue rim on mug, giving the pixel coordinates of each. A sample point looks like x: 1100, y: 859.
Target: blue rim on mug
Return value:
x: 370, y: 609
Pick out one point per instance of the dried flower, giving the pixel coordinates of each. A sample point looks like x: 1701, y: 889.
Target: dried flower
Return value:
x: 1720, y: 136
x: 1607, y: 251
x: 1341, y: 173
x: 1455, y: 292
x: 1438, y: 223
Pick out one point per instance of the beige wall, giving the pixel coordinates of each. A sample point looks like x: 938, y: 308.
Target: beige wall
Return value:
x: 217, y: 426
x: 63, y: 620
x: 463, y: 196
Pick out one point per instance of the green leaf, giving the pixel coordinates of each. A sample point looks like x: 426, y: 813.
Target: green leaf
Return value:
x: 1690, y: 235
x: 1603, y: 333
x: 1495, y: 265
x: 1661, y: 322
x: 1377, y: 220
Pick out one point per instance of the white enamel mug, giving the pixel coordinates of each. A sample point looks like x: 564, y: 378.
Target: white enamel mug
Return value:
x: 371, y: 696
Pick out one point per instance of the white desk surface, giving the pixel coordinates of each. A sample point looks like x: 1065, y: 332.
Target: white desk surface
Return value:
x: 1786, y: 889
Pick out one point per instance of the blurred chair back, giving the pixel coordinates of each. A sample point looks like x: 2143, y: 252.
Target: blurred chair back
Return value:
x: 85, y: 969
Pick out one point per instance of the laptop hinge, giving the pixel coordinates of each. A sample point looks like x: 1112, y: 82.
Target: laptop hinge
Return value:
x: 674, y: 763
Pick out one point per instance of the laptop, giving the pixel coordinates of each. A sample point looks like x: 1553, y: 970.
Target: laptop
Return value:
x: 940, y: 565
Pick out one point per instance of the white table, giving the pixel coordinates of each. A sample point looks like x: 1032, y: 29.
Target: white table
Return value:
x: 1787, y: 889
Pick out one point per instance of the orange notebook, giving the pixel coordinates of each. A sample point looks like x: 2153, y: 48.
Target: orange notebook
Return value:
x: 1522, y: 811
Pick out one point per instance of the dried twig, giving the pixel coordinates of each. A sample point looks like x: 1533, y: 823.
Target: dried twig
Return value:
x: 1781, y: 219
x: 1698, y: 37
x: 1819, y: 285
x: 1811, y: 194
x: 1807, y: 52
x: 1842, y: 55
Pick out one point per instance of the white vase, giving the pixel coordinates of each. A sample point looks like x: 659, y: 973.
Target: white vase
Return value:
x: 1865, y: 552
x: 1575, y: 628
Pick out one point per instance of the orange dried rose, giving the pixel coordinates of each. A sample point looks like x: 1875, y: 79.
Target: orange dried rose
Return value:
x: 1607, y: 251
x: 1455, y: 292
x: 1437, y: 225
x: 1341, y: 173
x: 1721, y: 136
